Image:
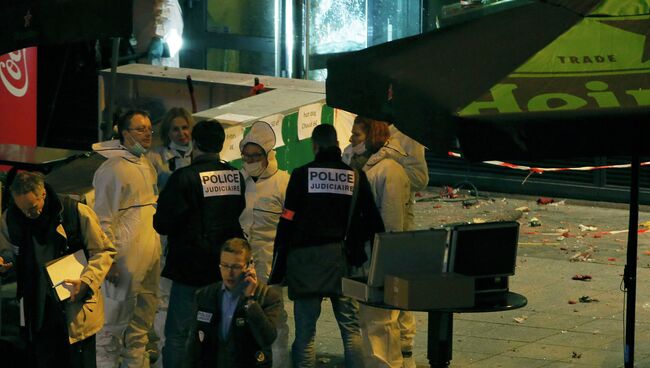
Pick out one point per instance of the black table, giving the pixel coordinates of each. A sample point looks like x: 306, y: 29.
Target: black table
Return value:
x: 441, y: 322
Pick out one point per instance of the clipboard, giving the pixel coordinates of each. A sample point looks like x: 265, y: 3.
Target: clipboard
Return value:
x: 71, y: 267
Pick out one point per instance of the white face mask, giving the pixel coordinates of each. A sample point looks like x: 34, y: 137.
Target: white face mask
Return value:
x: 136, y: 148
x: 254, y: 169
x: 187, y: 149
x: 359, y: 148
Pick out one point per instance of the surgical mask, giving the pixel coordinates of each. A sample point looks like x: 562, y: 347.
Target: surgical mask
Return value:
x: 254, y: 169
x: 136, y: 148
x: 359, y: 148
x: 187, y: 149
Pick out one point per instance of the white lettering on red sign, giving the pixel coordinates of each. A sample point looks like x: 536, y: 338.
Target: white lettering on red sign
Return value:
x: 220, y: 183
x: 13, y: 72
x: 335, y: 181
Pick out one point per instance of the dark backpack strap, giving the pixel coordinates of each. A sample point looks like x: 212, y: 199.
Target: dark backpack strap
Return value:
x: 172, y: 164
x: 72, y: 225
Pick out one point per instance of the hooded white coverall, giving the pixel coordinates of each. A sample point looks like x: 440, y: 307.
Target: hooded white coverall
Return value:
x: 390, y: 185
x: 125, y: 198
x: 259, y: 222
x: 415, y: 165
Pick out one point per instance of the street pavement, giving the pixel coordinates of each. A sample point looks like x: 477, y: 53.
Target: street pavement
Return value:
x: 549, y: 332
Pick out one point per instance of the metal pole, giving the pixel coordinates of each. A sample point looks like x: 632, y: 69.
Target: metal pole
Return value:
x: 629, y: 275
x: 108, y: 122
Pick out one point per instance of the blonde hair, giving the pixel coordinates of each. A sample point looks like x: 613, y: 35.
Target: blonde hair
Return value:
x: 166, y: 123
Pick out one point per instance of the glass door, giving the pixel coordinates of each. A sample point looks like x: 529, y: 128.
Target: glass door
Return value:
x: 241, y: 36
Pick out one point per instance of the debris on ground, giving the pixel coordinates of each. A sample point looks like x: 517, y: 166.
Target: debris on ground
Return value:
x: 545, y: 200
x: 448, y: 192
x: 468, y: 203
x: 581, y: 257
x: 560, y: 203
x: 611, y: 259
x: 580, y: 277
x: 587, y: 227
x: 576, y: 355
x: 534, y: 222
x: 520, y: 319
x: 324, y: 360
x: 478, y: 220
x: 645, y: 224
x: 524, y: 209
x: 573, y: 302
x: 587, y: 299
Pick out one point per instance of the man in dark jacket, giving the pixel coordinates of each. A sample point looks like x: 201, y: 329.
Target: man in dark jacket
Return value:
x: 315, y: 213
x: 198, y: 210
x: 235, y: 321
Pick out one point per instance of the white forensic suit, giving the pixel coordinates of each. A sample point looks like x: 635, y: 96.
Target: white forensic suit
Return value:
x: 415, y: 165
x: 259, y: 222
x: 166, y: 160
x: 125, y: 198
x: 390, y: 185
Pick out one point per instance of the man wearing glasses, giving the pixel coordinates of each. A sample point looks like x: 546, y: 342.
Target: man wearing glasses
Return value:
x: 198, y: 210
x: 125, y: 199
x: 234, y: 323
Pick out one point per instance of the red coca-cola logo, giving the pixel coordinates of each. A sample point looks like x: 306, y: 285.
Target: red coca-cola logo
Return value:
x: 13, y: 72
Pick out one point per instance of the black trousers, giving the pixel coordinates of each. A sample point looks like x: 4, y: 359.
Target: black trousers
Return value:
x: 50, y: 347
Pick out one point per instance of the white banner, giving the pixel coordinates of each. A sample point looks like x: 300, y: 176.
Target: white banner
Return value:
x: 309, y: 117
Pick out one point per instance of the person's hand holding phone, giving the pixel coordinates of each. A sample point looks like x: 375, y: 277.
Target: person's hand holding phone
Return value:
x: 249, y: 281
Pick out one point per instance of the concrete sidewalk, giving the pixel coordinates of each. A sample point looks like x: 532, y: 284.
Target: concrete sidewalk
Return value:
x: 549, y: 331
x: 552, y: 333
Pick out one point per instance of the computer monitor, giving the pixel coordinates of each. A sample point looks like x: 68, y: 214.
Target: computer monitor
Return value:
x: 484, y: 250
x: 412, y: 252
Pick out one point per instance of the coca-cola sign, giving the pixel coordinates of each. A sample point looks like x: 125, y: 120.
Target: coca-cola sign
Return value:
x: 18, y: 73
x: 14, y: 72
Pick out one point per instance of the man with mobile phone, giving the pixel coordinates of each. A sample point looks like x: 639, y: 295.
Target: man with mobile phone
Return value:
x: 235, y: 319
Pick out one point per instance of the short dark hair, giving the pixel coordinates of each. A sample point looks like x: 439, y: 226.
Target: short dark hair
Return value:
x: 124, y: 121
x: 208, y: 135
x: 27, y: 182
x: 166, y: 124
x: 324, y: 136
x: 238, y: 246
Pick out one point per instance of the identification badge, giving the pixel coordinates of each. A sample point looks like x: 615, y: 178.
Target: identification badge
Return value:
x: 335, y: 181
x: 259, y: 356
x: 220, y: 183
x: 240, y: 322
x: 204, y: 317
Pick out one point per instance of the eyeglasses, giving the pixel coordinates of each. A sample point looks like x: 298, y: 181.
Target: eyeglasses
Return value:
x: 232, y: 267
x: 252, y: 156
x: 142, y: 130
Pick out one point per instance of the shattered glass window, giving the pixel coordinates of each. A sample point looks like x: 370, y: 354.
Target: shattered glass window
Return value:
x: 337, y: 26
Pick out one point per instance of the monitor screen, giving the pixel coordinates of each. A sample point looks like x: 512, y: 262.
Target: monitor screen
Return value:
x: 484, y: 250
x: 407, y: 252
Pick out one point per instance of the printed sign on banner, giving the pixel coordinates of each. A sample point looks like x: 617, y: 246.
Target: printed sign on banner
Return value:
x: 18, y: 97
x: 335, y: 181
x: 220, y: 183
x: 308, y: 118
x: 234, y: 135
x: 275, y: 121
